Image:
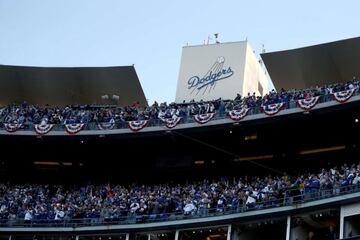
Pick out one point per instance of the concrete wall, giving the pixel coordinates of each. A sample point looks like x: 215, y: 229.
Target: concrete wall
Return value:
x: 299, y: 233
x: 254, y: 75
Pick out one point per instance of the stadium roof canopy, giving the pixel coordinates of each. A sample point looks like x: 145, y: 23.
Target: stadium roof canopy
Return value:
x: 314, y: 65
x: 70, y: 85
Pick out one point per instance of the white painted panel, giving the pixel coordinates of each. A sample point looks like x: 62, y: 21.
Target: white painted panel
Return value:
x: 209, y: 72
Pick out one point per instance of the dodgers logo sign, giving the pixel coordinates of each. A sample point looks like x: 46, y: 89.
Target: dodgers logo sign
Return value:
x: 207, y: 83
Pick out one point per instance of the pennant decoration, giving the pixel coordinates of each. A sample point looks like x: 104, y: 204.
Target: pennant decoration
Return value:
x: 203, y: 118
x: 309, y: 103
x: 171, y: 122
x: 237, y: 115
x: 12, y: 127
x: 137, y: 125
x: 272, y: 109
x: 43, y: 129
x: 343, y: 96
x: 74, y: 128
x: 106, y: 126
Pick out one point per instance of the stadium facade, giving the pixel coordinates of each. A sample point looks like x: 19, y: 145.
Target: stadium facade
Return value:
x: 312, y: 66
x: 291, y: 138
x: 61, y: 86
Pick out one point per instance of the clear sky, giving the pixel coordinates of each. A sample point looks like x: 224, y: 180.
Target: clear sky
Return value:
x: 151, y: 34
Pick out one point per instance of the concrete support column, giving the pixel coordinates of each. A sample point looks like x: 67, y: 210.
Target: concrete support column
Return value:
x: 342, y: 223
x: 229, y: 232
x: 288, y: 227
x: 177, y: 235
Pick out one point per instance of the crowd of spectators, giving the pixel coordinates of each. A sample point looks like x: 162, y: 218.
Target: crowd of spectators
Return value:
x: 31, y: 202
x: 31, y: 114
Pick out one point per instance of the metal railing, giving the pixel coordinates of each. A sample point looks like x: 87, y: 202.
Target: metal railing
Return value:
x: 289, y: 200
x: 185, y: 119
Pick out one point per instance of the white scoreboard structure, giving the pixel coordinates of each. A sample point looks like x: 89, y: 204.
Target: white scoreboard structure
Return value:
x: 220, y: 70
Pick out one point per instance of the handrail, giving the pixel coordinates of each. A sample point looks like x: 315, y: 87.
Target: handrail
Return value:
x: 187, y: 119
x: 289, y: 200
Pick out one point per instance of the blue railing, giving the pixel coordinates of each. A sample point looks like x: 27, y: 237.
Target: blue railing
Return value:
x: 199, y: 213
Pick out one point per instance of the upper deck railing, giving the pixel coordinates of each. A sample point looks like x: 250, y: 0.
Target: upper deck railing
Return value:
x: 235, y: 115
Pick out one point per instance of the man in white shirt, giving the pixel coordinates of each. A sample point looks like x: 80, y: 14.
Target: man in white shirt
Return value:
x: 59, y: 214
x: 28, y: 216
x: 250, y: 201
x: 189, y: 208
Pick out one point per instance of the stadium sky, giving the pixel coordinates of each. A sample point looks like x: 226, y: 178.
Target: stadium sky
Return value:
x: 150, y: 34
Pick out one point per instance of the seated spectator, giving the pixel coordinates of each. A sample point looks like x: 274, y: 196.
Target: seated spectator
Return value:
x: 33, y: 202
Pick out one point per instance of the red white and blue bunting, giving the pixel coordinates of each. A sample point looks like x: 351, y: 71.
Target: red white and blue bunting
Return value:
x: 12, y: 127
x: 237, y: 115
x: 106, y: 126
x: 43, y: 129
x: 308, y: 103
x: 343, y: 96
x: 272, y: 109
x: 203, y: 118
x: 171, y: 122
x: 137, y: 125
x: 74, y: 128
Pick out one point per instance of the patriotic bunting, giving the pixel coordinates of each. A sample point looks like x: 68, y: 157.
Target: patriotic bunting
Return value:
x: 106, y: 126
x: 272, y: 109
x: 309, y: 103
x: 237, y: 115
x: 171, y: 122
x: 203, y: 118
x: 137, y: 125
x: 74, y: 128
x: 343, y: 96
x: 12, y: 127
x: 43, y: 129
